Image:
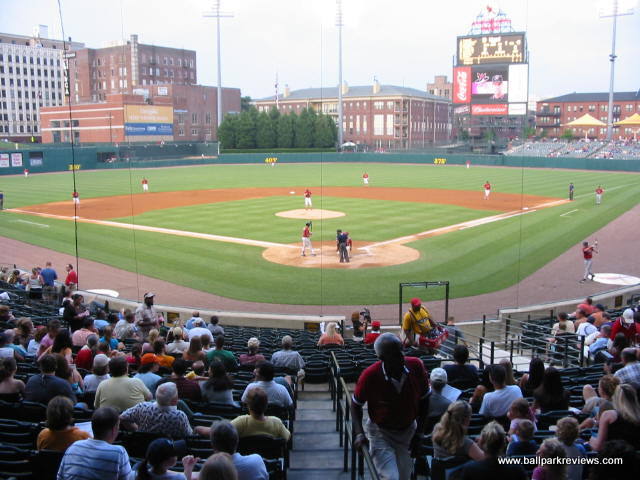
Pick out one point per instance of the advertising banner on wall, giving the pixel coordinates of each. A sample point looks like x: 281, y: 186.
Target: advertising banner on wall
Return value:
x: 462, y: 85
x: 517, y: 109
x: 16, y: 159
x: 4, y: 160
x: 490, y: 109
x: 148, y: 120
x: 518, y: 83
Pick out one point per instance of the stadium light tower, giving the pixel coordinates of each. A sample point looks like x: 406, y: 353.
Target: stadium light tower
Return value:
x: 339, y: 24
x: 614, y: 9
x: 217, y: 14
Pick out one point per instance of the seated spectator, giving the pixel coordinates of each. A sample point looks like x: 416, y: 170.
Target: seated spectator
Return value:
x: 109, y: 338
x: 358, y: 327
x: 107, y: 461
x: 218, y: 466
x: 23, y: 333
x: 194, y: 353
x: 551, y: 395
x: 563, y: 319
x: 206, y: 344
x: 75, y: 312
x: 440, y: 400
x: 623, y: 422
x: 199, y: 330
x: 331, y: 336
x: 580, y: 318
x: 159, y: 350
x: 178, y: 345
x: 620, y: 342
x: 532, y: 380
x: 16, y: 347
x: 79, y: 337
x: 160, y: 416
x: 461, y: 374
x: 214, y: 326
x: 625, y: 325
x: 493, y: 442
x: 34, y: 343
x: 609, y: 469
x: 187, y: 389
x: 53, y: 327
x: 520, y: 411
x: 256, y: 423
x: 126, y: 328
x: 60, y: 431
x: 44, y: 386
x: 224, y: 438
x: 484, y: 386
x: 147, y: 373
x: 69, y: 373
x: 630, y: 373
x: 135, y: 356
x: 587, y: 328
x: 11, y: 389
x: 496, y: 404
x: 153, y: 335
x: 594, y: 405
x: 121, y: 392
x: 287, y: 357
x: 598, y: 314
x: 522, y: 442
x: 227, y: 358
x: 276, y: 393
x: 84, y: 357
x: 509, y: 379
x: 194, y: 316
x: 99, y: 375
x: 601, y: 341
x: 587, y: 307
x: 162, y: 454
x: 550, y: 449
x: 450, y: 438
x: 567, y: 433
x: 218, y: 388
x: 371, y: 337
x: 5, y: 314
x: 6, y: 351
x: 252, y: 357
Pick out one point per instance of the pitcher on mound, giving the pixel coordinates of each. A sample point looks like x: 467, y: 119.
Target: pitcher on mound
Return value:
x: 307, y: 199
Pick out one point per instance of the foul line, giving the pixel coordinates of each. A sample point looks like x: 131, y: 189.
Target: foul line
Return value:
x: 567, y: 213
x: 41, y: 225
x: 169, y: 231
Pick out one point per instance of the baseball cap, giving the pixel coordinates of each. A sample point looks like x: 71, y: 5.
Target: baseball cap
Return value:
x: 149, y: 295
x: 375, y: 324
x: 439, y: 375
x: 100, y: 360
x: 599, y: 306
x: 415, y: 302
x: 162, y: 449
x: 627, y: 316
x: 591, y: 319
x: 148, y: 358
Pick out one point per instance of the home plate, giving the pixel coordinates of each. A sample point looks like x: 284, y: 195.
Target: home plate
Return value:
x: 616, y: 279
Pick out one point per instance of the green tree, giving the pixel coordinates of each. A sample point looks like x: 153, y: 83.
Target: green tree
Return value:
x: 543, y: 133
x: 246, y: 136
x: 304, y: 130
x: 274, y: 116
x: 567, y: 134
x: 463, y: 135
x: 325, y: 132
x: 245, y: 103
x: 528, y: 132
x: 228, y: 130
x: 285, y: 133
x: 265, y: 133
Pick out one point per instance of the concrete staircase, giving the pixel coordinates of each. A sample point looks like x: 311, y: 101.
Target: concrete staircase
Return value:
x: 316, y: 453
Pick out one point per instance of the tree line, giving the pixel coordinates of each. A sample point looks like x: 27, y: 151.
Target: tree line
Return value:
x: 251, y: 129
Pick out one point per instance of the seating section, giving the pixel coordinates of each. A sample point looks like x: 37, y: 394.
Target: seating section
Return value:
x: 581, y: 148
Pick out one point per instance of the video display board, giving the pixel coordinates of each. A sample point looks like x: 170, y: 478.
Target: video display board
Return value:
x: 492, y: 48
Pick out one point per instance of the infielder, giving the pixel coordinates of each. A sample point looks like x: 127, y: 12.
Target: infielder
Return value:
x: 145, y: 185
x: 487, y: 190
x: 599, y: 192
x: 587, y: 253
x: 307, y: 199
x: 365, y: 178
x: 76, y: 197
x: 306, y: 239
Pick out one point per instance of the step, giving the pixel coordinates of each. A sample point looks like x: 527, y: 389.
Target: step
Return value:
x: 327, y: 458
x: 313, y: 426
x: 313, y: 395
x: 315, y: 387
x: 318, y: 474
x: 314, y: 440
x: 314, y: 404
x: 316, y: 414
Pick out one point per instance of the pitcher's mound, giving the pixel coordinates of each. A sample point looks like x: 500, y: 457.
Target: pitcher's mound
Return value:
x: 312, y: 214
x: 362, y: 256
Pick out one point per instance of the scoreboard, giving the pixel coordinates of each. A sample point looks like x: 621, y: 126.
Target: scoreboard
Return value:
x: 493, y: 48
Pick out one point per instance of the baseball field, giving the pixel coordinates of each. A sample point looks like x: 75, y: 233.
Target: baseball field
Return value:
x: 234, y: 230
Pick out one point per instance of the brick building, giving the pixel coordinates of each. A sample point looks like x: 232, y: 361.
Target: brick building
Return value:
x: 31, y: 77
x: 379, y: 116
x: 124, y: 66
x: 553, y: 113
x: 441, y: 87
x: 151, y: 114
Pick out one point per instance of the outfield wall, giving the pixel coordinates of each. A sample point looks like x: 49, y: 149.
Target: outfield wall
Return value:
x: 47, y: 158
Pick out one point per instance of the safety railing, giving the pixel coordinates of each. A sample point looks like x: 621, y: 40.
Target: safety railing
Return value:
x: 354, y: 460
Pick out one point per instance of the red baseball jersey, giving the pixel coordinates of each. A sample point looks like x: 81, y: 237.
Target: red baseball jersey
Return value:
x: 306, y: 232
x: 307, y: 193
x: 587, y: 252
x: 599, y: 191
x: 487, y: 186
x: 75, y: 194
x: 366, y: 175
x: 145, y: 181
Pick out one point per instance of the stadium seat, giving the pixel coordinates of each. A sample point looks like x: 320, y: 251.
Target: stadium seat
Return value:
x: 45, y: 464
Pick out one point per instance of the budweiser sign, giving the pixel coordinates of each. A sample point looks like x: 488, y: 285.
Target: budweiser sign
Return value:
x: 462, y: 85
x: 493, y: 109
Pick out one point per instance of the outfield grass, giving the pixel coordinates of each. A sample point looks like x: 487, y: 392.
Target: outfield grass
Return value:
x: 476, y: 260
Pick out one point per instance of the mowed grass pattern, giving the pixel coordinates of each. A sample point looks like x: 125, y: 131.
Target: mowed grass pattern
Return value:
x: 477, y: 260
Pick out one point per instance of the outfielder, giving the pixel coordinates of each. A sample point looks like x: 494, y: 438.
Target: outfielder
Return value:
x: 145, y: 185
x: 76, y: 197
x: 599, y: 192
x: 487, y: 190
x: 365, y: 178
x: 306, y: 239
x: 587, y: 253
x: 307, y: 199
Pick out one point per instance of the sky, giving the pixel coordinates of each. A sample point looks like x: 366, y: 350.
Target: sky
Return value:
x: 400, y: 42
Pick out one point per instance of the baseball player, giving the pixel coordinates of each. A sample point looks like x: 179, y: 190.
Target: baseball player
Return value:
x: 76, y: 197
x: 599, y: 192
x: 571, y: 189
x: 307, y: 199
x: 349, y: 242
x: 306, y: 239
x: 145, y: 185
x: 587, y: 253
x: 342, y: 247
x: 1, y: 200
x: 468, y: 163
x: 487, y: 190
x: 26, y: 172
x: 365, y: 178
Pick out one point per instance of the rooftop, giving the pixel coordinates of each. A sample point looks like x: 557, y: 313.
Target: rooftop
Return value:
x: 595, y: 97
x: 353, y: 92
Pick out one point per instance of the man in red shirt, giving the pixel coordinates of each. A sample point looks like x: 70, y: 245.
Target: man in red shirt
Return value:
x: 145, y: 184
x: 26, y: 172
x: 587, y: 253
x: 395, y: 389
x: 71, y: 281
x: 365, y: 178
x: 487, y: 190
x: 372, y: 336
x: 306, y: 239
x: 76, y: 197
x: 599, y: 192
x: 307, y: 199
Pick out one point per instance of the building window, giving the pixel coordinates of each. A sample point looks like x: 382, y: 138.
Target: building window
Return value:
x: 378, y: 106
x: 181, y: 132
x: 389, y: 105
x: 194, y: 131
x: 207, y: 118
x: 194, y: 118
x: 378, y: 125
